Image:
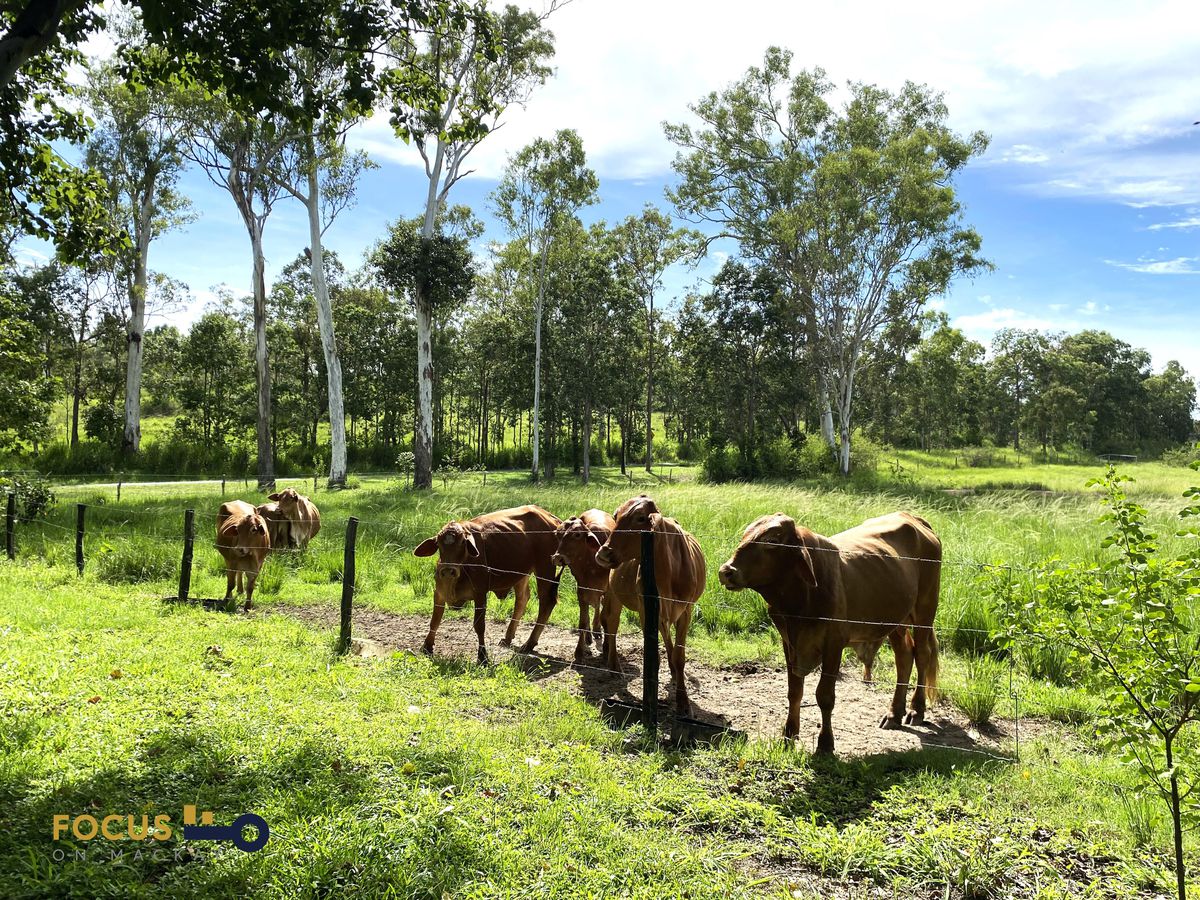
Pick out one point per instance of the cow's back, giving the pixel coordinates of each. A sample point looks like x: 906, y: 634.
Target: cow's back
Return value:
x: 886, y: 562
x: 517, y: 540
x: 679, y: 561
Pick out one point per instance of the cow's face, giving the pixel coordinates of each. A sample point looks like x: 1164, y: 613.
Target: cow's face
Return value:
x: 625, y: 543
x: 773, y: 549
x: 577, y: 544
x: 450, y: 586
x: 455, y: 544
x: 288, y: 500
x: 252, y: 534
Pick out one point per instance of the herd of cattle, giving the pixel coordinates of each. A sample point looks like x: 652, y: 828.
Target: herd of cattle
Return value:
x: 875, y: 582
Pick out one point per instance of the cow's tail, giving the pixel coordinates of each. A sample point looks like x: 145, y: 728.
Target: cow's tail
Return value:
x: 931, y: 669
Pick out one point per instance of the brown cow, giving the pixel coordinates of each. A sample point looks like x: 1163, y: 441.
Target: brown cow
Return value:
x: 301, y: 514
x: 679, y: 575
x: 243, y: 541
x: 579, y: 539
x: 877, y: 580
x: 277, y: 524
x: 494, y: 552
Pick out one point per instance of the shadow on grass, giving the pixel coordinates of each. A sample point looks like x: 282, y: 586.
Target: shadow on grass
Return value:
x: 328, y: 831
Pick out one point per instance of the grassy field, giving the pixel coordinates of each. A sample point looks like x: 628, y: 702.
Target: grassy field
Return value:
x: 416, y: 777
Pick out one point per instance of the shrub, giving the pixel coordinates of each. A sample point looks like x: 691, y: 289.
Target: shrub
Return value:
x: 979, y: 696
x: 105, y: 424
x: 34, y: 496
x: 1182, y: 456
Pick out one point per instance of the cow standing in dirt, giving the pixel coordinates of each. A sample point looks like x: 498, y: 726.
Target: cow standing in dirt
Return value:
x: 679, y: 574
x: 579, y: 539
x: 495, y: 552
x: 878, y: 580
x: 243, y: 541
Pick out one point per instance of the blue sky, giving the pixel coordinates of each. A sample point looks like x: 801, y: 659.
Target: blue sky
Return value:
x: 1088, y: 199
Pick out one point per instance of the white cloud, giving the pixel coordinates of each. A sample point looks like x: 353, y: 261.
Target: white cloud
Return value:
x: 1088, y: 309
x: 1071, y: 87
x: 1188, y: 223
x: 982, y: 326
x: 1180, y: 265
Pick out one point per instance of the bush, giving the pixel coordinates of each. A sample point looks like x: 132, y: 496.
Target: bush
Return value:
x: 34, y: 496
x: 105, y: 424
x: 1182, y: 456
x: 979, y: 696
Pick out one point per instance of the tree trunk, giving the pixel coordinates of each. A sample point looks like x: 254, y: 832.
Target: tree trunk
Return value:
x: 845, y: 395
x: 537, y: 356
x: 333, y: 365
x: 587, y: 441
x: 266, y: 456
x: 649, y: 383
x: 423, y: 420
x: 76, y: 389
x: 131, y: 440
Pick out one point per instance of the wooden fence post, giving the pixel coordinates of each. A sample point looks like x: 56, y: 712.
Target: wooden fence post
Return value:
x: 185, y: 567
x: 222, y: 485
x: 649, y: 635
x: 120, y: 478
x: 347, y: 586
x: 79, y: 511
x: 10, y: 526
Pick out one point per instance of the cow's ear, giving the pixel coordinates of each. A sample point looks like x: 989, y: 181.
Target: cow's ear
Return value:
x: 427, y: 547
x: 804, y: 567
x: 274, y: 496
x: 592, y: 536
x: 472, y: 547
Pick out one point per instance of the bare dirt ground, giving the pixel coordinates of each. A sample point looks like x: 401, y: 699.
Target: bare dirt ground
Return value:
x: 750, y: 697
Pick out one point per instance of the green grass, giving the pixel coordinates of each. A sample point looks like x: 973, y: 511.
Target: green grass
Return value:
x: 417, y: 777
x: 416, y: 774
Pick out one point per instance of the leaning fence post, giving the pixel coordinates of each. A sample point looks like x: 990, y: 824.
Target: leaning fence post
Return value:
x: 10, y: 525
x: 185, y: 567
x: 79, y: 511
x: 347, y: 585
x: 649, y: 635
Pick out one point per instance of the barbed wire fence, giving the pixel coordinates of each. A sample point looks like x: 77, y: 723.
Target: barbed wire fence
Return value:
x: 90, y: 520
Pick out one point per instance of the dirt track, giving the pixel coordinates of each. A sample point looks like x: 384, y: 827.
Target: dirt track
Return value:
x: 749, y: 697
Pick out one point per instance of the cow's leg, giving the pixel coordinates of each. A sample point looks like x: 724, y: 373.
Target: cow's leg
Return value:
x: 831, y: 662
x: 230, y: 580
x: 241, y: 587
x: 251, y: 577
x: 547, y: 591
x: 795, y: 680
x: 439, y: 610
x: 480, y: 624
x: 585, y: 636
x: 682, y: 704
x: 612, y: 621
x: 520, y: 601
x: 598, y: 623
x: 926, y: 653
x: 902, y: 646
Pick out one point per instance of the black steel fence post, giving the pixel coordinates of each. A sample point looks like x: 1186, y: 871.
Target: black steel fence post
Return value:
x: 347, y: 586
x: 10, y: 526
x: 185, y: 567
x: 120, y: 478
x: 649, y: 635
x: 79, y: 512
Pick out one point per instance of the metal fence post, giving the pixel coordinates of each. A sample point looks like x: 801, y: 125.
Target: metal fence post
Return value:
x: 185, y: 567
x: 79, y: 512
x: 649, y: 635
x: 120, y: 478
x: 222, y: 485
x: 347, y: 586
x: 10, y: 526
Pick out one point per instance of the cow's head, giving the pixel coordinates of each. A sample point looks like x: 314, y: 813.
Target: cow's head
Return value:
x: 773, y: 549
x: 252, y: 533
x: 577, y: 544
x: 455, y: 545
x: 633, y: 517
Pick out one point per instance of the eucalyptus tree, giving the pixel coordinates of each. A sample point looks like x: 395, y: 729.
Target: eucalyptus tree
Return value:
x: 856, y: 209
x: 243, y: 155
x: 649, y: 246
x: 543, y: 187
x: 138, y: 148
x: 481, y: 67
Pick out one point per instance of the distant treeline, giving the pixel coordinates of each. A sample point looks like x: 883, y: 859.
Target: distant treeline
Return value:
x: 735, y: 382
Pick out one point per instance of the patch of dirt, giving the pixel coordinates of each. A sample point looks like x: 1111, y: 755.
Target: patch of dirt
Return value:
x: 749, y: 697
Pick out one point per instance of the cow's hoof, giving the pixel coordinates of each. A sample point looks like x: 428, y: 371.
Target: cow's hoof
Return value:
x: 914, y: 718
x: 527, y: 647
x: 824, y: 745
x: 427, y: 648
x: 482, y: 656
x: 889, y: 722
x: 505, y: 642
x: 247, y: 606
x: 580, y: 653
